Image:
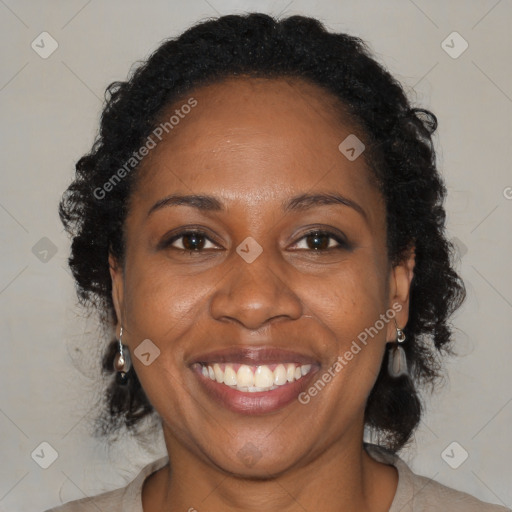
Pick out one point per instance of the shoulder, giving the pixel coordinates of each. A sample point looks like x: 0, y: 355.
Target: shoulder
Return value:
x: 431, y: 495
x: 416, y: 493
x: 110, y: 501
x: 125, y: 499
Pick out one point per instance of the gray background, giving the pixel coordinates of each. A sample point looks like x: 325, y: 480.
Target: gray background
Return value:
x: 50, y: 107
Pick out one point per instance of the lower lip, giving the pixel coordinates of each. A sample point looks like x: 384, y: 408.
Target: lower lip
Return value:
x: 257, y: 402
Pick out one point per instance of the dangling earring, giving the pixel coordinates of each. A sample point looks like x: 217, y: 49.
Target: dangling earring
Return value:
x: 122, y: 362
x: 397, y: 360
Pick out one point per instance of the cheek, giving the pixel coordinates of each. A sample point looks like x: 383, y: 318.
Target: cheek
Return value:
x: 350, y: 299
x: 163, y: 308
x: 156, y: 300
x: 350, y: 308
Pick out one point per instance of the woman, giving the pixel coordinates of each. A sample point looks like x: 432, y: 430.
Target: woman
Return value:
x: 262, y: 220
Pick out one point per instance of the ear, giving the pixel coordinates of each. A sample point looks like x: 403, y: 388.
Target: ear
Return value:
x: 116, y: 275
x: 399, y: 289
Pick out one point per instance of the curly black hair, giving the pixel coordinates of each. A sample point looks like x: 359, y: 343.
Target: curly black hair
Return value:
x: 400, y: 153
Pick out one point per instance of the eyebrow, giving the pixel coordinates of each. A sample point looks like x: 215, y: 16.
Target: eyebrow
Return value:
x: 297, y: 203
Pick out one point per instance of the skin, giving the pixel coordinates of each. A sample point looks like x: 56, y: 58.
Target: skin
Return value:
x: 254, y: 143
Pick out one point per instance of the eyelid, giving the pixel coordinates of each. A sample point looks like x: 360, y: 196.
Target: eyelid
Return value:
x: 336, y: 235
x: 170, y: 238
x: 332, y: 233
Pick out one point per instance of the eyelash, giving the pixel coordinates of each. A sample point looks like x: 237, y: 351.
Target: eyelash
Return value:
x: 342, y: 243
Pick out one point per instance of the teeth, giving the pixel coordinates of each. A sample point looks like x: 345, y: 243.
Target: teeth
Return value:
x: 229, y: 376
x: 263, y: 377
x: 290, y: 372
x: 304, y: 369
x: 280, y: 375
x: 254, y: 378
x: 244, y: 376
x: 219, y: 374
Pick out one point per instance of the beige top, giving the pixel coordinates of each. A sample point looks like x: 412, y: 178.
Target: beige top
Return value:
x: 414, y: 493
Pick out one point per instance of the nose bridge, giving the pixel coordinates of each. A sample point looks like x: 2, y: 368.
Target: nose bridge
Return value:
x: 254, y: 292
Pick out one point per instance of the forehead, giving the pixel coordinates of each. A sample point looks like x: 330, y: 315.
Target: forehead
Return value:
x: 255, y: 139
x: 263, y: 111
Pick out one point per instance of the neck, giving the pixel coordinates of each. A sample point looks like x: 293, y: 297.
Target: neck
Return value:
x: 341, y: 478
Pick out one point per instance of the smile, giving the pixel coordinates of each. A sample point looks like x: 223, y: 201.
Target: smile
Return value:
x: 254, y: 379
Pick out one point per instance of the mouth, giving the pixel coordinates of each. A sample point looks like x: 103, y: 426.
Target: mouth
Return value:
x: 254, y: 380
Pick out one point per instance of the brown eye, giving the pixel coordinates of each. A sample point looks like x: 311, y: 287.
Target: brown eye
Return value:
x: 317, y: 241
x: 323, y: 241
x: 191, y: 241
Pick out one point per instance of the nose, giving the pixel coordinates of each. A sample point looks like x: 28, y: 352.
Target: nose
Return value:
x: 254, y: 294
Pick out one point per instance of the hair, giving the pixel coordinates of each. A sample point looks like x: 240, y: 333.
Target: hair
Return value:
x: 399, y: 151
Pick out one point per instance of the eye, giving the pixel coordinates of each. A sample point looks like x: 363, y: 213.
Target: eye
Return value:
x: 190, y: 240
x: 321, y: 240
x: 195, y: 241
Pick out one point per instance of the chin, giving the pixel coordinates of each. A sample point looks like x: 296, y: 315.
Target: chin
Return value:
x: 253, y: 463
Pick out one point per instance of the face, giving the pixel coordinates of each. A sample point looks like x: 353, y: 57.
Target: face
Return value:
x: 270, y: 289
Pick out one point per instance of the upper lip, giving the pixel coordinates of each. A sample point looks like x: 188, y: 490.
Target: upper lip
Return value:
x: 254, y: 356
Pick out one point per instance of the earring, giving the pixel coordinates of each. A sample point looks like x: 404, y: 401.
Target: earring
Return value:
x: 122, y: 362
x: 397, y: 360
